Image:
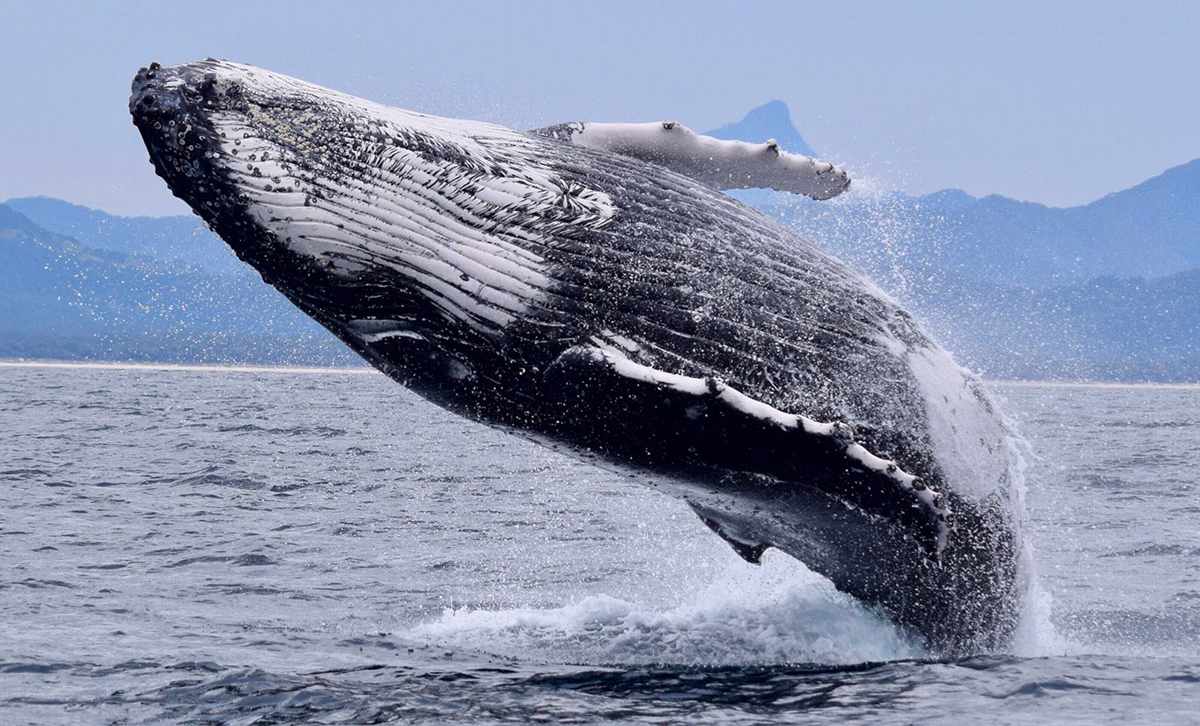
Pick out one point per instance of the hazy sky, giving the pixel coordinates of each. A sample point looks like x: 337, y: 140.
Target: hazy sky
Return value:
x: 1055, y: 102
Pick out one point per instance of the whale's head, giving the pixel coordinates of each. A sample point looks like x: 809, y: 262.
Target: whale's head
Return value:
x: 381, y: 223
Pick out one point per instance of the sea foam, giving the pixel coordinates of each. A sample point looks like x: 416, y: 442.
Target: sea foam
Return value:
x: 781, y: 613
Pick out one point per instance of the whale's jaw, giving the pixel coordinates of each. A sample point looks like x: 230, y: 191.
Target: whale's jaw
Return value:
x: 371, y: 220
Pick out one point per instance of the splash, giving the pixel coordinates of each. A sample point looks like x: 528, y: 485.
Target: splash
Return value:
x: 779, y: 614
x: 1036, y: 635
x: 899, y: 245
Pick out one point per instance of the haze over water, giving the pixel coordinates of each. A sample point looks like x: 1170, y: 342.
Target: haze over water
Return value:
x: 233, y: 545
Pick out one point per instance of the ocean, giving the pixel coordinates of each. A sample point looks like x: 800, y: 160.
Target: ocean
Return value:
x: 266, y: 546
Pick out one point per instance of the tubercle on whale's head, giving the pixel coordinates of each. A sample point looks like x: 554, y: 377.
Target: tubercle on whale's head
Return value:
x: 383, y: 224
x: 197, y: 122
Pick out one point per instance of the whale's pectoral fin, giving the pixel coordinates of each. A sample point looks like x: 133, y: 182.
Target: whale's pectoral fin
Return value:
x: 719, y: 163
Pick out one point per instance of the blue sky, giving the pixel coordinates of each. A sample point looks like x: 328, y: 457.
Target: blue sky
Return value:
x: 1056, y: 102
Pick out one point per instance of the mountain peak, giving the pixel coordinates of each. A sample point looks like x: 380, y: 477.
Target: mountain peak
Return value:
x: 772, y: 120
x: 10, y: 218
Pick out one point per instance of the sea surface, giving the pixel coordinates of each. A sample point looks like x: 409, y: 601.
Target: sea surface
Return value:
x: 251, y: 546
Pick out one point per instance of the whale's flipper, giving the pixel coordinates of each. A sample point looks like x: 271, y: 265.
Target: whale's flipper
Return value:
x: 718, y: 163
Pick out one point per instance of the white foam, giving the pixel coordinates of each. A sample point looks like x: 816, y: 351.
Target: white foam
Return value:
x: 780, y: 613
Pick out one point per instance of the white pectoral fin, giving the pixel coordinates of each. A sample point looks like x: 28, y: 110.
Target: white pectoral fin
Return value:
x: 718, y: 163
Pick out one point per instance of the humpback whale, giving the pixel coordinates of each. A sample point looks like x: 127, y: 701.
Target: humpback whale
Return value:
x: 590, y: 287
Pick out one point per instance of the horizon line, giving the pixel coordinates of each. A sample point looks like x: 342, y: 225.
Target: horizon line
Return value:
x: 368, y: 370
x: 188, y: 367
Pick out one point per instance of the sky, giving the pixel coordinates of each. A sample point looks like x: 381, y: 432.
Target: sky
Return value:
x: 1053, y: 102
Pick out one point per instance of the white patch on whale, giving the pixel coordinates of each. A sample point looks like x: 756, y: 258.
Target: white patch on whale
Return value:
x: 719, y: 163
x: 423, y: 217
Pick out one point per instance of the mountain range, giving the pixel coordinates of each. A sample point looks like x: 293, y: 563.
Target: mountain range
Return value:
x: 1108, y: 290
x: 71, y: 298
x: 1149, y: 230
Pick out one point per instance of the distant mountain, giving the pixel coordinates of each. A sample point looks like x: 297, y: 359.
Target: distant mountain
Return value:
x: 1126, y: 329
x: 772, y: 120
x: 61, y: 299
x: 179, y: 242
x: 1108, y: 290
x: 1150, y: 230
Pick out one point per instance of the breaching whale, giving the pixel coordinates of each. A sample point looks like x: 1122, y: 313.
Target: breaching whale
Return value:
x: 589, y: 286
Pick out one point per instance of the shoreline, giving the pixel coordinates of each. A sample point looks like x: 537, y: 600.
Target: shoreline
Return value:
x: 186, y: 367
x: 1018, y: 383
